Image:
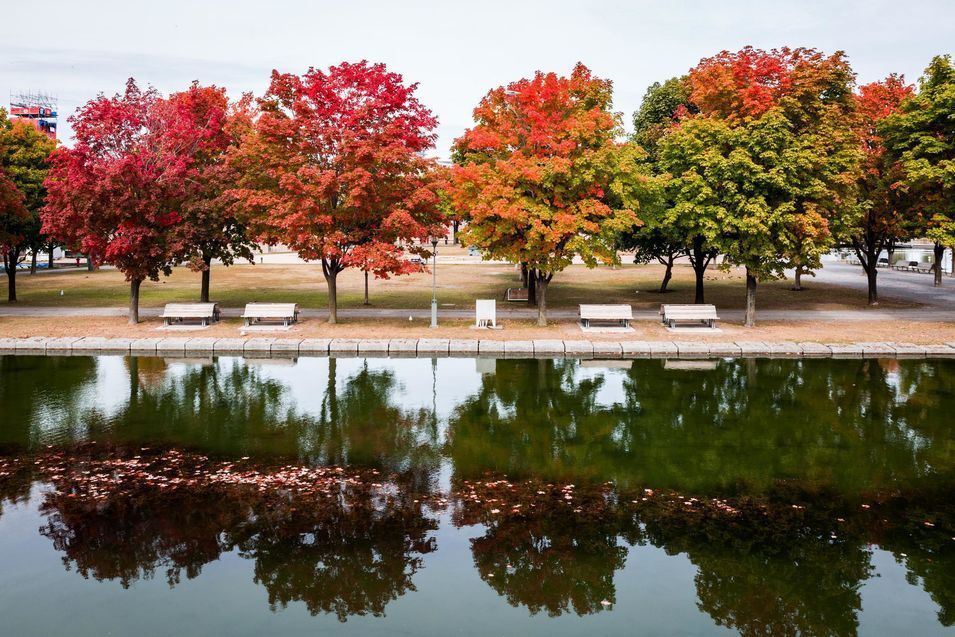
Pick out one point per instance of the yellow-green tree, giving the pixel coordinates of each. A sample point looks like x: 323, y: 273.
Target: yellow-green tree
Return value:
x: 768, y: 161
x: 24, y: 151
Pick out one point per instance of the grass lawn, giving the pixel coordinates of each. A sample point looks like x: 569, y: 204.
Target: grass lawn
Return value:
x: 458, y: 285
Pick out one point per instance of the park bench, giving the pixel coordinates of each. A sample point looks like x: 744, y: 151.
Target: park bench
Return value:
x: 285, y: 313
x: 485, y: 313
x: 515, y: 294
x: 206, y: 313
x: 621, y: 314
x: 700, y: 314
x: 914, y: 266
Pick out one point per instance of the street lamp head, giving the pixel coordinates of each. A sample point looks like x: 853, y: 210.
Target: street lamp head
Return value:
x: 434, y: 242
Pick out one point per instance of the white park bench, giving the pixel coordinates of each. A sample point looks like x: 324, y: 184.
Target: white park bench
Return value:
x: 485, y: 313
x: 695, y: 314
x: 206, y: 313
x: 286, y: 313
x: 621, y: 314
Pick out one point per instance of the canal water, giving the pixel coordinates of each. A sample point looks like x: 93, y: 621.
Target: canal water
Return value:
x: 458, y: 496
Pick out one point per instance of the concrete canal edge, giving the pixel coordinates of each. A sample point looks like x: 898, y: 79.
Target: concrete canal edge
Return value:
x: 204, y: 347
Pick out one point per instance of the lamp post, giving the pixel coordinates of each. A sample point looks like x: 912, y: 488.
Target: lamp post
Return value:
x: 434, y: 282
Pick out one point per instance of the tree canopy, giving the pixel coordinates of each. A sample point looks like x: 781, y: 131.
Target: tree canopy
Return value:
x: 543, y: 178
x: 333, y: 168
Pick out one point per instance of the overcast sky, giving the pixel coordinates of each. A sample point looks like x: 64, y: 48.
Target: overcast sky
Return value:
x: 456, y: 51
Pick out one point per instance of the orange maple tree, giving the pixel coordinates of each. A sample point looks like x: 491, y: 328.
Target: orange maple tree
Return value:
x: 541, y: 177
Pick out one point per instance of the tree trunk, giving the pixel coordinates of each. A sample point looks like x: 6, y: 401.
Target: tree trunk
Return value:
x: 532, y: 287
x: 90, y: 266
x: 134, y: 301
x: 366, y: 289
x: 667, y: 275
x: 49, y: 264
x: 523, y: 275
x: 33, y: 262
x: 699, y: 260
x: 206, y: 274
x: 330, y: 270
x: 541, y: 299
x: 750, y: 299
x: 872, y: 275
x: 455, y: 226
x: 10, y: 263
x: 868, y: 254
x: 797, y: 279
x: 939, y: 254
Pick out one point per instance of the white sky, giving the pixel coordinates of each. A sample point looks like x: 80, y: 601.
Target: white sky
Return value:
x: 457, y: 51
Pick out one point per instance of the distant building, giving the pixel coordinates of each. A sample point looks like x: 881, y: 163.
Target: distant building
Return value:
x: 39, y: 109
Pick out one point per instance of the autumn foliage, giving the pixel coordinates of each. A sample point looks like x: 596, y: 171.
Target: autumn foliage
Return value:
x: 333, y: 169
x: 749, y: 82
x: 884, y: 213
x: 137, y: 188
x: 207, y: 127
x: 542, y: 178
x: 768, y: 158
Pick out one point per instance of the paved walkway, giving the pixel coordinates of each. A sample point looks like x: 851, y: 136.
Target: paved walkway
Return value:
x: 193, y: 346
x: 912, y: 287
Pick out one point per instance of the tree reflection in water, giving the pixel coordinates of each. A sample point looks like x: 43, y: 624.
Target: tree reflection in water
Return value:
x: 340, y: 542
x: 855, y: 426
x: 790, y: 562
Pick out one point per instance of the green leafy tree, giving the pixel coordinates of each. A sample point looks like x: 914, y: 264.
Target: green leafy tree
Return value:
x: 656, y: 243
x: 658, y: 238
x: 662, y: 105
x: 768, y: 162
x: 24, y: 151
x: 921, y: 138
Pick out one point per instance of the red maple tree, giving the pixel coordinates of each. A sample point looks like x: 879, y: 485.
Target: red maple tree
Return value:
x: 886, y: 212
x: 115, y: 193
x: 201, y: 126
x: 333, y: 169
